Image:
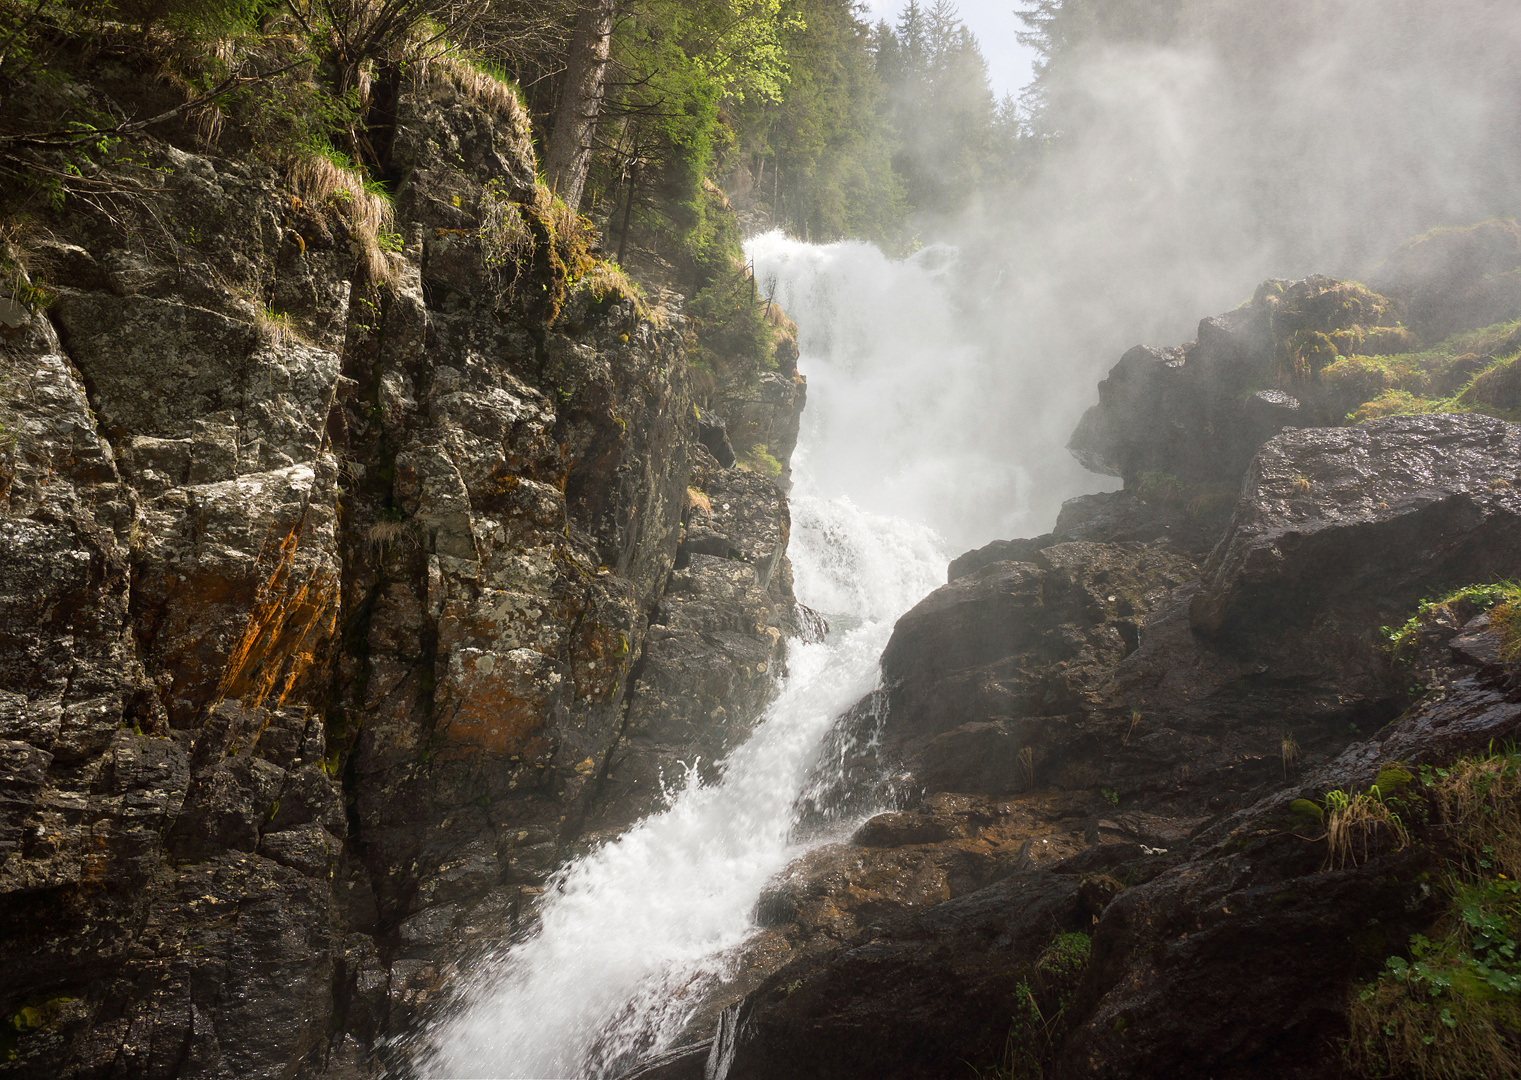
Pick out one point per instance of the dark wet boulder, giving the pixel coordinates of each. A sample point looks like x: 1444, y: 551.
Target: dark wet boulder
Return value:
x: 980, y: 670
x: 916, y: 997
x: 1367, y: 518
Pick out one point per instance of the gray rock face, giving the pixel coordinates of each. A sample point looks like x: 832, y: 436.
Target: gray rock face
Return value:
x: 335, y: 610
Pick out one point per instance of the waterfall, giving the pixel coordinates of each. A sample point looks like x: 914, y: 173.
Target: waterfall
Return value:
x: 632, y: 934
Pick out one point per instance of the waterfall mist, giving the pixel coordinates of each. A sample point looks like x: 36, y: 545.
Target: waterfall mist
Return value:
x: 1183, y: 167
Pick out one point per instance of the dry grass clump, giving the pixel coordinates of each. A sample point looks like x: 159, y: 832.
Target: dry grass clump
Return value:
x: 275, y: 327
x: 385, y: 534
x: 1288, y: 751
x: 486, y: 89
x: 608, y: 280
x: 318, y: 180
x: 1359, y: 826
x: 697, y: 500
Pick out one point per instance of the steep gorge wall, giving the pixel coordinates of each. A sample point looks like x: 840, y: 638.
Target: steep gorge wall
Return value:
x: 337, y: 609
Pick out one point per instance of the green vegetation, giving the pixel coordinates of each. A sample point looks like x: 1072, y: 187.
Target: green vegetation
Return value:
x: 758, y: 459
x: 1501, y: 599
x: 1470, y: 371
x: 1452, y: 1007
x: 1042, y: 1001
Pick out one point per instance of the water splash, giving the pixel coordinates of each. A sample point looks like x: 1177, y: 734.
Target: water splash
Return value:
x: 634, y: 932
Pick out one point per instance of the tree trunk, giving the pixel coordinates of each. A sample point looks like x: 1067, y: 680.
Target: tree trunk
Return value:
x: 570, y: 143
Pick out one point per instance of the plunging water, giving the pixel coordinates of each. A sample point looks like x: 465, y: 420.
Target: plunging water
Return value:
x: 632, y: 934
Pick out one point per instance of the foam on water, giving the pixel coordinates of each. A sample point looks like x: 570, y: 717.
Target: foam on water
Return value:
x: 633, y: 933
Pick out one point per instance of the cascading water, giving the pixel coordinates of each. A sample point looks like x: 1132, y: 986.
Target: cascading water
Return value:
x: 632, y: 934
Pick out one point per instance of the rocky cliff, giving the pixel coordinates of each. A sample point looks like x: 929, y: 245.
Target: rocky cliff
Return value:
x: 352, y: 576
x: 1217, y: 778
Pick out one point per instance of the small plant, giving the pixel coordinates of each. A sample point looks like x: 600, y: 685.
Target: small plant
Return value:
x: 1358, y: 825
x: 1288, y: 750
x: 1135, y: 720
x: 606, y: 281
x: 1502, y: 600
x: 1040, y: 1023
x: 1111, y: 796
x: 758, y: 459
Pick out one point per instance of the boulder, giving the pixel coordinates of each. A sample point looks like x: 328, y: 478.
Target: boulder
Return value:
x: 1367, y: 518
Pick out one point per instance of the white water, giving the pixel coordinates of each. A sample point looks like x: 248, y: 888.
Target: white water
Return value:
x: 912, y: 415
x: 632, y: 933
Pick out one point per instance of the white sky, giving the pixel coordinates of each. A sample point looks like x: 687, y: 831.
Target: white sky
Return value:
x: 994, y: 24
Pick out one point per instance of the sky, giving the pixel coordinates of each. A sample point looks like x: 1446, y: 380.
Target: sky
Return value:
x: 994, y: 24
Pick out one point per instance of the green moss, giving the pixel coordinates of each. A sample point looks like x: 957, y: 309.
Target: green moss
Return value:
x: 1308, y: 351
x: 1307, y: 815
x: 1159, y: 487
x: 758, y: 459
x: 35, y: 1012
x: 1391, y: 781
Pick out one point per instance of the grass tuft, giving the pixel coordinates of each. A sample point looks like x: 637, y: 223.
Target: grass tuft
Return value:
x: 329, y: 180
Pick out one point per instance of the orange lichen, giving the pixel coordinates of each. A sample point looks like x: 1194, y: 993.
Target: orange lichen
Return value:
x: 491, y: 713
x: 284, y: 634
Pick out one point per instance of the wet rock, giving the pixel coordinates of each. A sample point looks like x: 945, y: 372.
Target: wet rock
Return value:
x: 1372, y: 516
x: 918, y: 996
x: 1190, y: 418
x: 983, y: 673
